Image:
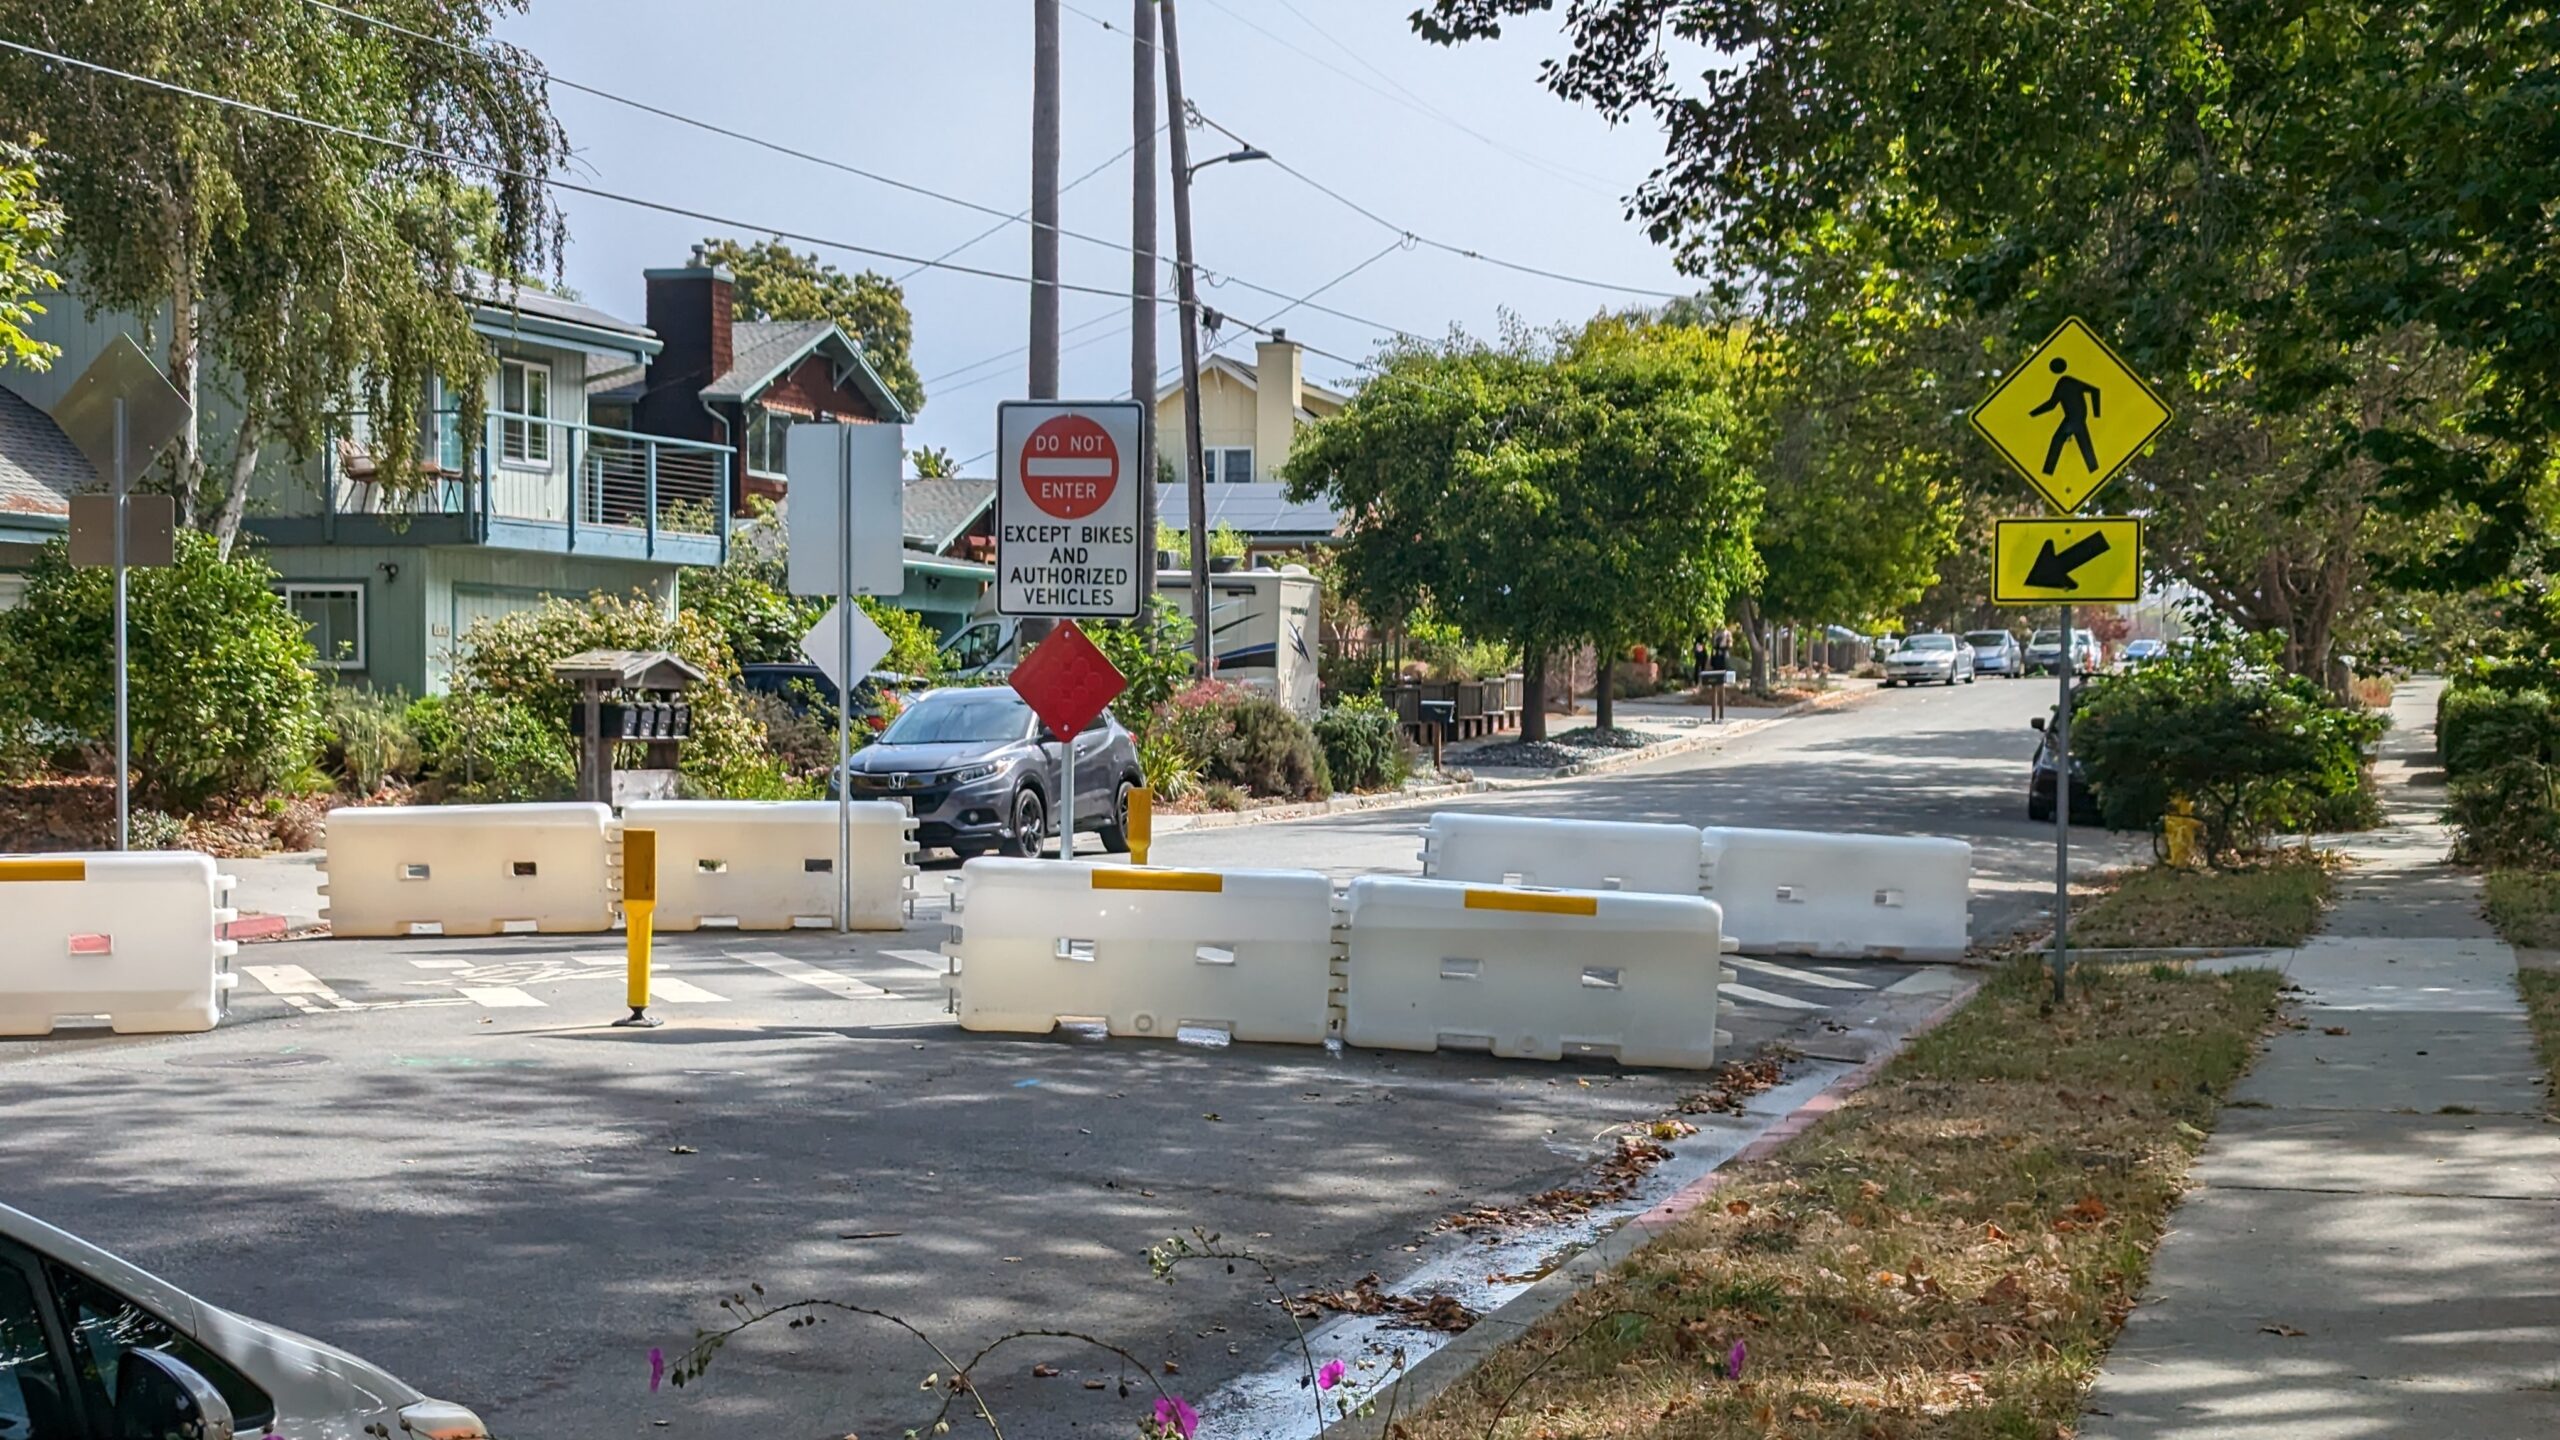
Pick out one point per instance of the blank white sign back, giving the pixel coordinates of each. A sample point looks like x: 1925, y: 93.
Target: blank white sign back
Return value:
x: 833, y: 467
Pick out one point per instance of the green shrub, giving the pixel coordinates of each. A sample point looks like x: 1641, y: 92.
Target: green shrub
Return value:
x: 1364, y: 748
x: 746, y: 599
x: 1152, y: 653
x: 1273, y: 752
x: 1199, y: 725
x: 1447, y: 653
x: 1171, y: 771
x: 223, y: 700
x: 2507, y: 815
x: 2257, y: 751
x: 2477, y: 728
x: 494, y: 749
x: 366, y: 739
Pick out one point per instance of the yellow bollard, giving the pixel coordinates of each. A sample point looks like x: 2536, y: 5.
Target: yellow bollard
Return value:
x: 639, y: 907
x: 1142, y: 823
x: 2186, y: 834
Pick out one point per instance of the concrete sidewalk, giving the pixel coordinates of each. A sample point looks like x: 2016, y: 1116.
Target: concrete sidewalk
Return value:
x: 2373, y: 1248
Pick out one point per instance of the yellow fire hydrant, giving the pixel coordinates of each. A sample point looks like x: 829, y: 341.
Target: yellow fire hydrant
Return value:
x: 2186, y: 834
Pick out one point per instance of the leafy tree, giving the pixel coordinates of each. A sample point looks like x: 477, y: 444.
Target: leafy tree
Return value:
x: 2253, y: 200
x: 934, y: 462
x: 223, y: 702
x: 28, y: 223
x: 1152, y: 653
x: 320, y: 272
x: 1549, y: 495
x: 747, y: 599
x: 776, y: 282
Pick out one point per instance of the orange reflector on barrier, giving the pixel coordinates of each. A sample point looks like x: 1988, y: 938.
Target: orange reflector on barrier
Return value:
x: 1536, y: 903
x: 43, y: 870
x: 1206, y: 882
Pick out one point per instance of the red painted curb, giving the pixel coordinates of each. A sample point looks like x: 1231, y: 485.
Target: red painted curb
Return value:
x: 1689, y: 1197
x: 254, y: 927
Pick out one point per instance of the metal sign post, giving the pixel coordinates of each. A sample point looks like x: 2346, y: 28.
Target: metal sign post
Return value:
x: 2062, y: 821
x: 840, y: 473
x: 124, y: 735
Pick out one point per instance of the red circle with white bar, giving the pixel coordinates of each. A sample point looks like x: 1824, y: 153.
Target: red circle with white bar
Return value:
x: 1070, y: 466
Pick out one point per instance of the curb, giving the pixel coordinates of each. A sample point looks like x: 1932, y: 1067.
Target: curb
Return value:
x: 254, y: 927
x: 1696, y: 740
x: 1453, y: 1362
x: 1311, y: 810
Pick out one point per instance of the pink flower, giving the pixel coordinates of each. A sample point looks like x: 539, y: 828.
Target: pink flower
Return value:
x: 657, y: 1368
x: 1733, y: 1359
x: 1176, y: 1418
x: 1331, y: 1375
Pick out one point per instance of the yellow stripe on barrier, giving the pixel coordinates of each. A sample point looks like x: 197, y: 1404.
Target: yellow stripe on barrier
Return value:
x: 1204, y: 882
x: 1534, y: 902
x: 43, y: 870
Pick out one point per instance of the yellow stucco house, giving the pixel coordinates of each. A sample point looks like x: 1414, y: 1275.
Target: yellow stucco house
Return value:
x: 1250, y: 416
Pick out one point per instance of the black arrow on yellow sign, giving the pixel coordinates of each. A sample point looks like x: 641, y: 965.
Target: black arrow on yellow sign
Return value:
x: 2053, y: 569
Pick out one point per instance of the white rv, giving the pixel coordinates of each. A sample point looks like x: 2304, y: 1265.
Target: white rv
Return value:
x: 1263, y: 633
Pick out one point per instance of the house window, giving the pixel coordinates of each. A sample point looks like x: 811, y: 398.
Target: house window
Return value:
x: 524, y: 391
x: 768, y: 436
x: 333, y: 615
x: 1228, y: 466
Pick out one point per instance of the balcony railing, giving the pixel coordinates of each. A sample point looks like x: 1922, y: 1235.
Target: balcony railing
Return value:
x: 613, y: 487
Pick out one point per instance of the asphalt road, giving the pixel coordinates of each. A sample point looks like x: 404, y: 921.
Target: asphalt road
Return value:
x: 434, y: 1153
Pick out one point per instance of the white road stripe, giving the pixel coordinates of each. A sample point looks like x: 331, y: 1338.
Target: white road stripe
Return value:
x: 1767, y: 997
x: 1789, y: 972
x: 499, y: 997
x: 1067, y: 467
x: 926, y: 958
x: 673, y: 991
x: 287, y: 980
x: 808, y: 974
x: 442, y: 964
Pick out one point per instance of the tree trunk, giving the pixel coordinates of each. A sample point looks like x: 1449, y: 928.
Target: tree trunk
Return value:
x: 1748, y: 613
x: 1533, y: 707
x: 235, y: 498
x: 1604, y: 690
x: 186, y: 352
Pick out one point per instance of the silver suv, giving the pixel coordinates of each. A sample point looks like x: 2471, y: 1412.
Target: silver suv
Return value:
x: 983, y: 773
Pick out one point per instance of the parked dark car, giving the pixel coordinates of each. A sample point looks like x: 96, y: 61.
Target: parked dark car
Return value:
x: 2084, y: 801
x: 983, y: 773
x: 806, y: 688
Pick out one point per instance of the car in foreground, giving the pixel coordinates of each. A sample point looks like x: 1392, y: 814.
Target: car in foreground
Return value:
x: 983, y: 773
x: 1996, y: 652
x: 2141, y: 652
x: 1926, y: 659
x: 2084, y: 801
x: 92, y: 1347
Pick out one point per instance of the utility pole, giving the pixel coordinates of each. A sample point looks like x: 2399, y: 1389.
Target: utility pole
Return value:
x: 1194, y: 480
x: 1142, y: 265
x: 1044, y: 199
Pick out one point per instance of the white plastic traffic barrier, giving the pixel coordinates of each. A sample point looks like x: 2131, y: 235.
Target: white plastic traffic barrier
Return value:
x: 134, y: 938
x: 1561, y: 854
x: 471, y: 869
x: 1532, y: 974
x: 771, y: 864
x: 1799, y: 892
x: 1143, y: 951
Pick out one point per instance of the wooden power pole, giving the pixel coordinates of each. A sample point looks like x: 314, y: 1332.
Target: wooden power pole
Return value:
x: 1194, y: 479
x: 1044, y: 199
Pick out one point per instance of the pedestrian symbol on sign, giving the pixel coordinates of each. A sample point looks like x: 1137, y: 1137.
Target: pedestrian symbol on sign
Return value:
x: 2077, y: 399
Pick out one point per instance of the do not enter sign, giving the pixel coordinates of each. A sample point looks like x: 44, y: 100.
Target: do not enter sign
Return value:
x: 1067, y: 509
x: 1070, y: 466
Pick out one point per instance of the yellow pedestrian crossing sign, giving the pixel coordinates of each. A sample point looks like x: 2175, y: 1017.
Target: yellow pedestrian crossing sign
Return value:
x: 2071, y: 416
x: 2094, y: 559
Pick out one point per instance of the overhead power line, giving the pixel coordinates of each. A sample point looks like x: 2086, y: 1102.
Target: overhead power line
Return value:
x: 794, y: 152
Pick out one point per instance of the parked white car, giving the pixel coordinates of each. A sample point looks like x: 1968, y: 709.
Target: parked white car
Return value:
x: 91, y: 1347
x: 1929, y: 659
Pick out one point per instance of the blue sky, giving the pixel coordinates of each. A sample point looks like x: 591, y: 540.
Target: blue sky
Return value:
x: 936, y: 93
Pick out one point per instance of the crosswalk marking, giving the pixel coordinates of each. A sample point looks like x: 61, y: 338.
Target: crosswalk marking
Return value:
x: 1789, y: 972
x: 839, y: 986
x: 1768, y: 997
x: 442, y: 964
x: 931, y: 960
x: 287, y: 980
x: 500, y: 997
x: 672, y: 991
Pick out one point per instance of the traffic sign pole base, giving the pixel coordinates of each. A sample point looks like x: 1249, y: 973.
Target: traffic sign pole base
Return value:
x: 638, y: 1020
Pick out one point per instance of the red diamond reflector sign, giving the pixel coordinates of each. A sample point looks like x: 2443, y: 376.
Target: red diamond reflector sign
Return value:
x: 1067, y: 680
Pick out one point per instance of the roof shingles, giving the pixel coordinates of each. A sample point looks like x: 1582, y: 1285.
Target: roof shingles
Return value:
x: 40, y: 469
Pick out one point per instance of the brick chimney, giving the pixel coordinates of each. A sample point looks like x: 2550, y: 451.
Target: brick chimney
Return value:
x: 1279, y: 389
x: 689, y: 308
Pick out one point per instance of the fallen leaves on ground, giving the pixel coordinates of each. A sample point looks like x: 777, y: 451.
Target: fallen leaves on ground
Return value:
x: 1613, y: 1180
x: 1368, y: 1296
x: 1733, y: 1082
